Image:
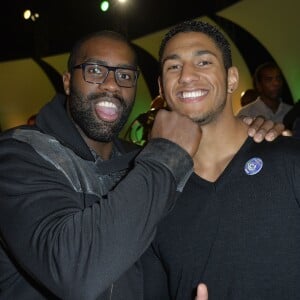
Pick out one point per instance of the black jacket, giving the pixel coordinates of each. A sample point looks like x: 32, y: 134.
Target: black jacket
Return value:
x: 69, y: 229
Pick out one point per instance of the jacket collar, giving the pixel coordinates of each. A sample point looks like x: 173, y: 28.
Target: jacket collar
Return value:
x: 54, y: 120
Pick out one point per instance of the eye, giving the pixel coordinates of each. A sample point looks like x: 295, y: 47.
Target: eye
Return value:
x: 125, y: 75
x: 174, y: 67
x: 203, y: 63
x: 94, y: 70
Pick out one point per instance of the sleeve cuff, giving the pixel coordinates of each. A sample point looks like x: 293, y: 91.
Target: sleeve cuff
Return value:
x: 172, y: 156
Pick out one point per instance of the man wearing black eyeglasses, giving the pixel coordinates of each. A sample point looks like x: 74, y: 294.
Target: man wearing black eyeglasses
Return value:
x: 78, y: 207
x: 68, y: 229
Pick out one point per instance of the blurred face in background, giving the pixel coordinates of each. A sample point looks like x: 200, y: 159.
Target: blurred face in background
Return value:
x: 270, y: 83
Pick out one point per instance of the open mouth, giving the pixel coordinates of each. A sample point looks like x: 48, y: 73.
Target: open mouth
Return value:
x: 107, y: 111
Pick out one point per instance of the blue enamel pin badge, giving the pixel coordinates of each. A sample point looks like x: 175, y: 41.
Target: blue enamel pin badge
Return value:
x: 253, y: 166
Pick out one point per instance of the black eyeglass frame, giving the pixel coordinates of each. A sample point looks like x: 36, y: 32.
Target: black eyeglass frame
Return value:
x: 109, y: 68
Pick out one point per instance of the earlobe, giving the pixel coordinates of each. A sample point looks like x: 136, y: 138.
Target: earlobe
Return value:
x: 67, y: 91
x: 233, y: 79
x: 160, y: 88
x: 66, y: 82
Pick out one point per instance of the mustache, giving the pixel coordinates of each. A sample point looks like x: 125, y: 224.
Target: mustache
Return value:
x: 95, y: 96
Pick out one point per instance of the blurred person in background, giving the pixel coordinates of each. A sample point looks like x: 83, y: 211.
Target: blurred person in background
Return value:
x: 269, y: 104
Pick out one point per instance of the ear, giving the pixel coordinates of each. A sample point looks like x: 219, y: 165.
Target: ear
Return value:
x: 162, y: 94
x: 232, y: 79
x: 66, y: 82
x: 160, y: 87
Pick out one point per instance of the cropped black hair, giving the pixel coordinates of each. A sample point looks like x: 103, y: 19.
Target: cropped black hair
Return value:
x: 103, y: 33
x: 203, y: 27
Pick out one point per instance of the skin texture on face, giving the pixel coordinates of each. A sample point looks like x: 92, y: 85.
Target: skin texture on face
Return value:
x: 194, y: 79
x: 270, y: 83
x: 100, y: 110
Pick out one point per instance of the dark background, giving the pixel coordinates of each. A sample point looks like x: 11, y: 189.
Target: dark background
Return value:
x: 61, y: 22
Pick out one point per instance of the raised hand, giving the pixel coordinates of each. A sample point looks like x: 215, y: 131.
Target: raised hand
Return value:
x: 178, y: 129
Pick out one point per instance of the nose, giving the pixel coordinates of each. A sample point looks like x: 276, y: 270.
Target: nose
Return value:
x: 188, y: 74
x: 110, y: 82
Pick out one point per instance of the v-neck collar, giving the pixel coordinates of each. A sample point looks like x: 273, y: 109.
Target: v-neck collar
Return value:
x: 238, y: 159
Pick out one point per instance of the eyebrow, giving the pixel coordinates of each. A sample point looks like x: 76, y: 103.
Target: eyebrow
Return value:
x: 104, y: 63
x: 197, y: 53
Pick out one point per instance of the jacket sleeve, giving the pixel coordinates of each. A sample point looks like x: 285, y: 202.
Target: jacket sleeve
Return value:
x: 74, y: 250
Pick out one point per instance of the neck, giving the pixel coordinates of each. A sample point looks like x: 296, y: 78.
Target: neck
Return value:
x: 220, y: 141
x: 103, y: 149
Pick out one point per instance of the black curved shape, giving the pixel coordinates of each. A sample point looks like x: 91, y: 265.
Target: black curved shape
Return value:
x: 149, y: 68
x: 253, y: 52
x: 54, y: 76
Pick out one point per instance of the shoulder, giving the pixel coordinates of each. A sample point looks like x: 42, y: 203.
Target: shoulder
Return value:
x: 290, y: 144
x: 20, y: 133
x: 249, y: 108
x: 285, y: 107
x: 28, y: 141
x: 26, y: 133
x: 282, y: 147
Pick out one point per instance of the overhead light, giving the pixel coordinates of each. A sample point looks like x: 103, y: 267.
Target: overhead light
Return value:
x: 27, y: 14
x: 104, y: 5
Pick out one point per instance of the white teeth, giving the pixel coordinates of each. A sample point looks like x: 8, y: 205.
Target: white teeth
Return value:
x: 193, y: 94
x: 106, y: 104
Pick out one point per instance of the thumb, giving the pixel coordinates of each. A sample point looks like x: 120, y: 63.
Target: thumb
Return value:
x: 202, y: 293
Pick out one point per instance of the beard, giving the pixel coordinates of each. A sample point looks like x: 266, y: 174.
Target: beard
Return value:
x: 211, y: 115
x: 83, y: 114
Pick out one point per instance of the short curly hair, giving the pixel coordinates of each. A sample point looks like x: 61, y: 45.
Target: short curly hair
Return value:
x: 203, y: 27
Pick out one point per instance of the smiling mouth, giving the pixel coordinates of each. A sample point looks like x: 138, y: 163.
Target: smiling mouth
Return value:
x: 107, y: 104
x: 193, y: 94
